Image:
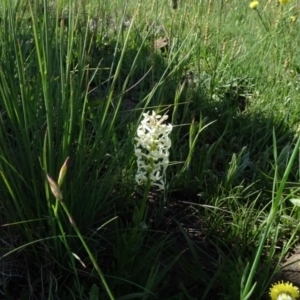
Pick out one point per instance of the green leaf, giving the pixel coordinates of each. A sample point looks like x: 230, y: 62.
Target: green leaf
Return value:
x: 94, y: 292
x: 143, y: 225
x: 295, y: 201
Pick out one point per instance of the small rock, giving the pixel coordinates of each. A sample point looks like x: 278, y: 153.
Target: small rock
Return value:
x: 162, y: 44
x: 290, y: 270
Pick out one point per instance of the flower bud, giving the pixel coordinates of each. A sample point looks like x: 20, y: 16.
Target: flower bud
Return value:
x: 54, y: 188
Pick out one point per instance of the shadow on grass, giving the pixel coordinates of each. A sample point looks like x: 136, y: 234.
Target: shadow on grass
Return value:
x: 223, y: 196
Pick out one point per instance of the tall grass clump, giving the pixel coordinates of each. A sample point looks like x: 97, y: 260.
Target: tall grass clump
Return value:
x: 45, y: 119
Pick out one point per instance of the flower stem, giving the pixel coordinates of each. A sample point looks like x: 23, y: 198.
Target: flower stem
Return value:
x: 142, y: 215
x: 263, y: 22
x: 92, y: 258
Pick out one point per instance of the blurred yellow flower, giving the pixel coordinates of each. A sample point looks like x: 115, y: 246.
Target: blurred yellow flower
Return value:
x: 293, y: 18
x: 284, y: 291
x: 253, y: 4
x: 284, y: 1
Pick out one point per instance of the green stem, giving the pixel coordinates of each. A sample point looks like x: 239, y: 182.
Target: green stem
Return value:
x: 142, y: 215
x: 64, y: 239
x: 92, y: 258
x: 263, y: 22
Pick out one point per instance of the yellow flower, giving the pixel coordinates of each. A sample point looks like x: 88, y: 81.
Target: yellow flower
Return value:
x: 254, y: 4
x: 284, y: 1
x: 284, y: 291
x: 293, y: 18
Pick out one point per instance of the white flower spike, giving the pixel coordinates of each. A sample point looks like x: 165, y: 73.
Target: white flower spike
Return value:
x: 152, y: 149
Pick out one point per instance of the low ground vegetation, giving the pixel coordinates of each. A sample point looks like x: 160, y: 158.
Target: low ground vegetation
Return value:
x: 76, y: 78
